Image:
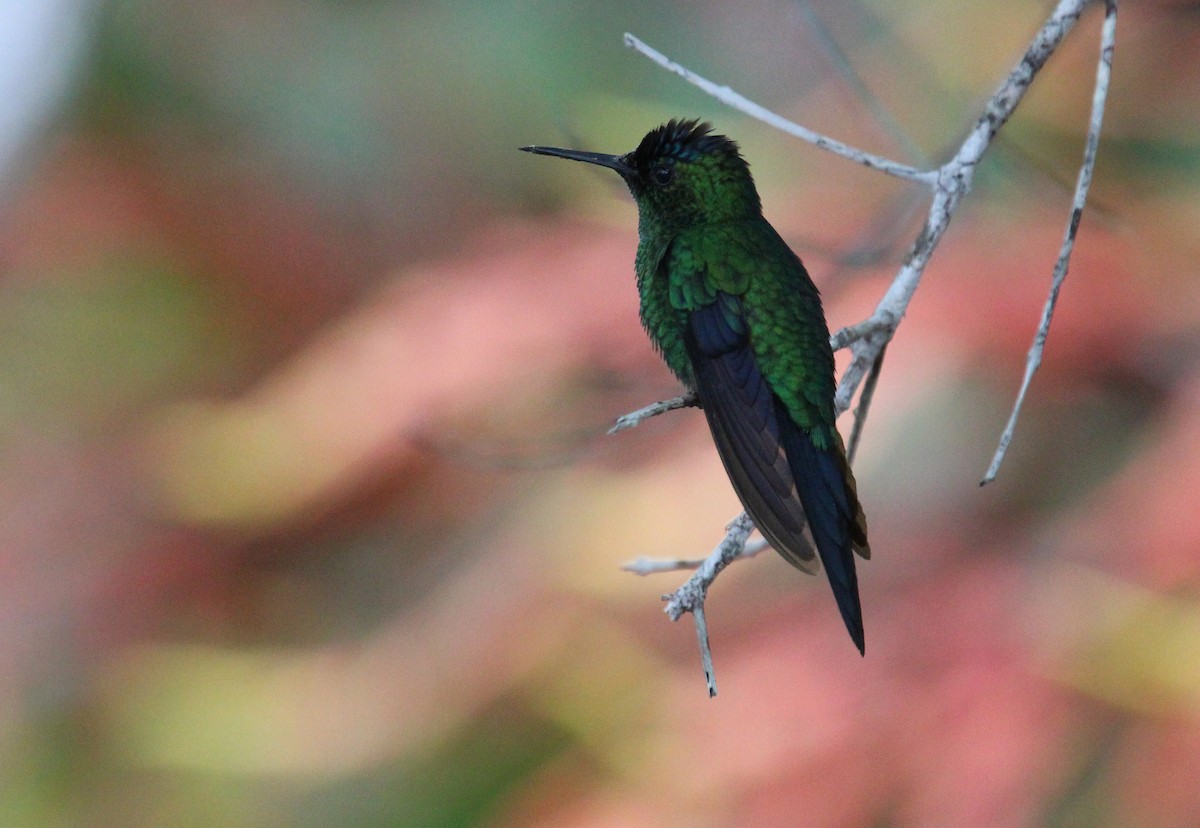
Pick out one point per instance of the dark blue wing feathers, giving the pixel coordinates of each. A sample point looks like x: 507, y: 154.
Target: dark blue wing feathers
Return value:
x: 822, y: 489
x: 782, y: 478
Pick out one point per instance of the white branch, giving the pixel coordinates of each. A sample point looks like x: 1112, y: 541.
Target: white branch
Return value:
x: 864, y: 407
x: 634, y: 418
x: 690, y: 597
x: 652, y: 566
x: 743, y: 104
x: 1033, y: 361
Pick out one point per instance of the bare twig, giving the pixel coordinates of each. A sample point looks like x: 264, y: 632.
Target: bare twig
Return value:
x: 743, y: 104
x: 690, y: 597
x: 634, y: 418
x: 864, y: 406
x: 652, y: 566
x: 852, y: 333
x: 1099, y: 95
x: 706, y: 659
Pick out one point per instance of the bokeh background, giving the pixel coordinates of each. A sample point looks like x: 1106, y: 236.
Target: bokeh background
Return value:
x: 307, y: 512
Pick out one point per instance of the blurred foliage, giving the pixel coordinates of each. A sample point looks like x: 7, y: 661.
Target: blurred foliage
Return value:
x: 91, y: 348
x: 307, y: 513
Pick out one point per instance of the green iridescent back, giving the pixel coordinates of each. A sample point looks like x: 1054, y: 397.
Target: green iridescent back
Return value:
x: 710, y: 237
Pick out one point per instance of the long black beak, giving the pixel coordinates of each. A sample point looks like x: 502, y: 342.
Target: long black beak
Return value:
x: 613, y: 162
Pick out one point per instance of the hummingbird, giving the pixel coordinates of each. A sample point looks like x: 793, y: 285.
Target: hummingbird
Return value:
x: 738, y: 320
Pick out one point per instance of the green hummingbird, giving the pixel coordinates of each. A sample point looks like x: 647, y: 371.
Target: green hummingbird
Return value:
x: 738, y: 320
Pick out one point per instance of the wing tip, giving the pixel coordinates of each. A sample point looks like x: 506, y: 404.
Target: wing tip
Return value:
x: 851, y: 610
x: 858, y: 636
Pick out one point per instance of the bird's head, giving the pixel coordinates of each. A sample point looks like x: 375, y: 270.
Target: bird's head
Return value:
x: 680, y: 175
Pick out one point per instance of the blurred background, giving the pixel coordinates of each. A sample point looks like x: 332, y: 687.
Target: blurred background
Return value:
x: 307, y: 512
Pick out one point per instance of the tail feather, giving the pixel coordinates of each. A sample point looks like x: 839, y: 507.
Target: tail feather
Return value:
x: 789, y: 486
x: 822, y: 487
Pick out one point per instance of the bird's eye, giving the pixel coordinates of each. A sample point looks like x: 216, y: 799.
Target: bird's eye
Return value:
x: 662, y: 174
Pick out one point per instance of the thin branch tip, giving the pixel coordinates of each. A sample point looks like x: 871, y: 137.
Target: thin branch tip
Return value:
x: 1033, y: 359
x: 635, y: 418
